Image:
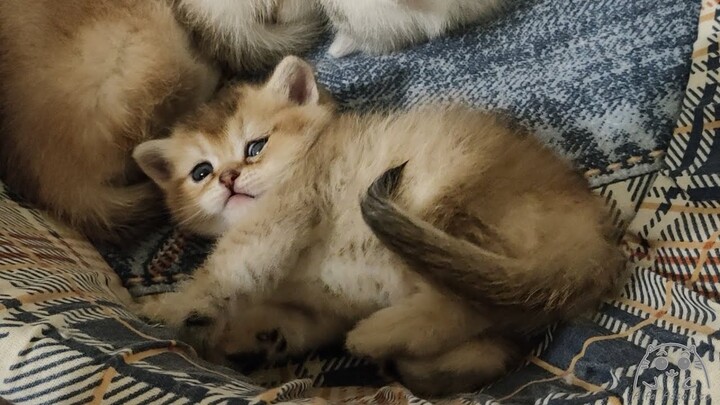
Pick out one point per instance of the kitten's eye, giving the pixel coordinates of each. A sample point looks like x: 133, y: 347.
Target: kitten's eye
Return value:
x: 255, y: 147
x: 200, y: 171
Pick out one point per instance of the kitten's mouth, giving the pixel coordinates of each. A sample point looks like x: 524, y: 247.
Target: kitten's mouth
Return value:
x: 238, y: 197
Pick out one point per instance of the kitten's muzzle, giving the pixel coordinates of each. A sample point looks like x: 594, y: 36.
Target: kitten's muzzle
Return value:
x: 228, y: 177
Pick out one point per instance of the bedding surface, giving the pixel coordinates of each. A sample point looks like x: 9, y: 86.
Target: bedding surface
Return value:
x: 66, y: 335
x: 600, y: 82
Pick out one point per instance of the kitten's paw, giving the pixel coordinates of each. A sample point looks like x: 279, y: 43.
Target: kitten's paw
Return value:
x: 203, y: 330
x: 394, y: 331
x: 464, y: 368
x: 422, y: 377
x: 196, y: 322
x: 267, y: 346
x: 169, y: 309
x: 343, y: 45
x: 267, y: 333
x: 255, y: 335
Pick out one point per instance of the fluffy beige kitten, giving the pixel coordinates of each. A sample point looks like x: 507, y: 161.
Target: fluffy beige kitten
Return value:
x: 382, y: 26
x: 82, y: 82
x: 435, y: 239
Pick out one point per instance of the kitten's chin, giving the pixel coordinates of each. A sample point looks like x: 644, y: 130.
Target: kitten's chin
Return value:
x: 236, y: 208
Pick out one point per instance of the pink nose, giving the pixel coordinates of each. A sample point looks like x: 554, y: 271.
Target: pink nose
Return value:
x: 227, y: 178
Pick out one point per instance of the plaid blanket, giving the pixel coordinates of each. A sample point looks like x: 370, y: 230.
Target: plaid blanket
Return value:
x: 66, y: 337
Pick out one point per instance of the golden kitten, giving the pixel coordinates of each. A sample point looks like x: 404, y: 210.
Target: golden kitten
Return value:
x: 382, y: 26
x: 436, y: 239
x: 82, y: 82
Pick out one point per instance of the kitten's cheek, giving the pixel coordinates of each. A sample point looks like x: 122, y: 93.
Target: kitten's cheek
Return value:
x: 213, y: 203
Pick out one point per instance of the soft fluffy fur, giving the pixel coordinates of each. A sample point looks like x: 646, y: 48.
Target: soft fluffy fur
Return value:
x: 437, y: 239
x: 382, y: 26
x: 251, y: 34
x: 83, y: 82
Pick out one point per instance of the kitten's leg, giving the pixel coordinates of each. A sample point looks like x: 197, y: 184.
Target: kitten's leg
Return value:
x: 248, y: 261
x: 343, y: 45
x: 462, y: 369
x: 271, y: 332
x: 426, y: 323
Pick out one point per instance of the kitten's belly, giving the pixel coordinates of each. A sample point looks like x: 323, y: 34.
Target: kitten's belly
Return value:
x: 353, y: 287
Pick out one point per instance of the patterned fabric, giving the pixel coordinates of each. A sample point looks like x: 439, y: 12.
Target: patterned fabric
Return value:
x: 599, y: 81
x: 65, y: 335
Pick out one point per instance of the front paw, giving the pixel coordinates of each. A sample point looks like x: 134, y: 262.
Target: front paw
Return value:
x: 169, y: 309
x: 266, y: 347
x: 197, y: 323
x: 203, y: 331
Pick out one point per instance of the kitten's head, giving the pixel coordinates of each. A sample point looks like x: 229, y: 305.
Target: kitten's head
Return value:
x: 220, y: 161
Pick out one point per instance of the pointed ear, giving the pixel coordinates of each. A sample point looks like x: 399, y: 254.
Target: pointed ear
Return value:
x: 152, y: 158
x: 294, y: 78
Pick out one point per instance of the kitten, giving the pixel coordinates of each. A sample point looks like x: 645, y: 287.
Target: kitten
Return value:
x: 83, y: 82
x: 436, y: 239
x: 251, y: 34
x: 383, y: 26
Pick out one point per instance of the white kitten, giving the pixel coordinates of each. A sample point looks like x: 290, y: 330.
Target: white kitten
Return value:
x: 382, y: 26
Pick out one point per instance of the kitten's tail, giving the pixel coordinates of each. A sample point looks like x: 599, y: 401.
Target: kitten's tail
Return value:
x: 472, y: 272
x: 253, y: 45
x: 275, y: 41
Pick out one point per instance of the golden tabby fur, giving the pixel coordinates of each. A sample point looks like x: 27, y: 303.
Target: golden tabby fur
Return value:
x: 82, y: 82
x: 435, y: 239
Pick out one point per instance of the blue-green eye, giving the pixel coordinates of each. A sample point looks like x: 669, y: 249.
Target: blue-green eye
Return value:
x: 255, y: 147
x: 200, y: 171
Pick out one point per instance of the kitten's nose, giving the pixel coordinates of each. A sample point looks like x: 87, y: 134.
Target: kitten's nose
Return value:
x: 227, y: 178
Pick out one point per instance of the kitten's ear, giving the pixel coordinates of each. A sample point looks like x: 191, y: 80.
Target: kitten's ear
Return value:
x: 294, y: 78
x: 152, y: 158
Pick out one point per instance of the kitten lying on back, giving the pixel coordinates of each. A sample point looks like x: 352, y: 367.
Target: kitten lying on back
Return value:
x: 82, y: 82
x: 435, y: 239
x: 382, y: 26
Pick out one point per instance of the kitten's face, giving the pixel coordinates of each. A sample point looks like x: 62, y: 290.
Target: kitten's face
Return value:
x: 222, y: 162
